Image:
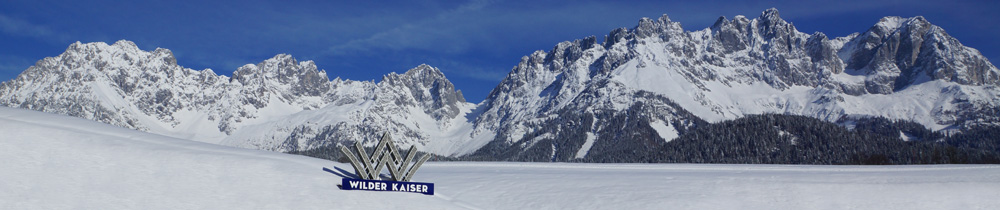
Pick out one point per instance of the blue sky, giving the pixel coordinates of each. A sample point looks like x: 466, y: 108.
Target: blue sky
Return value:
x: 475, y: 43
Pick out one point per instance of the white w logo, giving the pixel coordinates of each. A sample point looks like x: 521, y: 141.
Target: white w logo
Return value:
x: 385, y: 154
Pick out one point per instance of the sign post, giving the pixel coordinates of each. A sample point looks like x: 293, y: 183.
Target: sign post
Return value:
x: 386, y: 155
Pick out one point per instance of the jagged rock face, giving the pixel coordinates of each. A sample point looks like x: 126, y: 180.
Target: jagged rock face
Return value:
x: 122, y: 85
x: 428, y: 86
x: 113, y: 84
x: 668, y: 80
x: 528, y: 111
x: 899, y: 52
x: 281, y: 75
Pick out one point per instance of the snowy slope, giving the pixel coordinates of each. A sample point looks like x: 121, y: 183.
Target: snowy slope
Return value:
x: 59, y: 162
x: 696, y: 186
x: 319, y: 127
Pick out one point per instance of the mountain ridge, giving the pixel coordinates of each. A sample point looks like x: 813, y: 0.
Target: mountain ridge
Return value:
x: 734, y: 68
x: 123, y: 85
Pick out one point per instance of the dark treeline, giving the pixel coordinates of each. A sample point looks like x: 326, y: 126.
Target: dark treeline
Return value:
x: 755, y: 139
x: 786, y: 139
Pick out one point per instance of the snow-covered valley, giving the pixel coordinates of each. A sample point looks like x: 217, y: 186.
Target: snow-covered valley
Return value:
x: 60, y: 162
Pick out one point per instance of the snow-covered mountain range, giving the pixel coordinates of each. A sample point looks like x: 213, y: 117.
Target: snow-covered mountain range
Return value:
x: 658, y: 79
x: 59, y: 162
x: 640, y: 86
x: 279, y: 104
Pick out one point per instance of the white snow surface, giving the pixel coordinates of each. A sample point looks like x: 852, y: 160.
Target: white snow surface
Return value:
x: 60, y: 162
x: 698, y: 186
x: 665, y: 130
x: 586, y: 145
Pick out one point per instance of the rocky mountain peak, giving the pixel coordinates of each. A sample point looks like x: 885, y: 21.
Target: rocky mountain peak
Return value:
x: 425, y: 74
x: 771, y: 16
x: 428, y: 85
x: 661, y: 27
x: 121, y: 54
x: 770, y: 25
x: 276, y: 67
x: 899, y: 52
x: 892, y: 23
x: 721, y: 22
x: 283, y: 74
x: 125, y: 44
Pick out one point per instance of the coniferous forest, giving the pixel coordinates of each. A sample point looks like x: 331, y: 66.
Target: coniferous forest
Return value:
x: 773, y: 139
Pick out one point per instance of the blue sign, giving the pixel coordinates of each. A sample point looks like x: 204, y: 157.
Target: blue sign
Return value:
x: 386, y: 185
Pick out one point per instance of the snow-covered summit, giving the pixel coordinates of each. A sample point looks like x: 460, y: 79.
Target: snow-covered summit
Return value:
x: 427, y: 85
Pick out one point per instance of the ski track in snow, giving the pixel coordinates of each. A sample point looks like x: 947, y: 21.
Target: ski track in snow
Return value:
x: 60, y: 162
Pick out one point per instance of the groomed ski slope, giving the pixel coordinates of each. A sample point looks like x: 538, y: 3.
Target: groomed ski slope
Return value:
x: 58, y: 162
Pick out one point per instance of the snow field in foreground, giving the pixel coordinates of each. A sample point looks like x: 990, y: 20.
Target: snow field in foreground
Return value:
x: 701, y: 186
x: 59, y: 162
